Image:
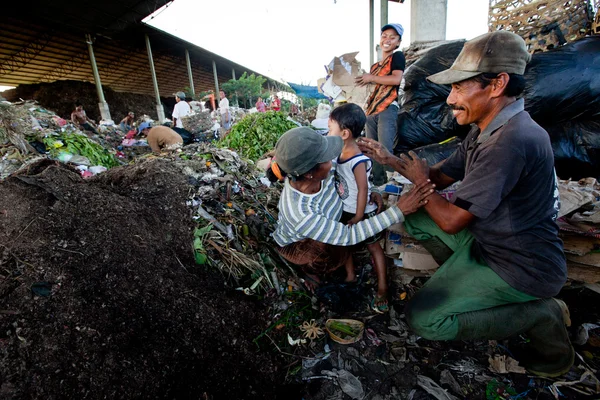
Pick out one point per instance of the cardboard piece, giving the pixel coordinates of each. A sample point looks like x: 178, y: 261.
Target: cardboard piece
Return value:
x: 413, y: 255
x: 339, y: 83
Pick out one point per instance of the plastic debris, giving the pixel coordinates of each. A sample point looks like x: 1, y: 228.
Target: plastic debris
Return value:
x: 505, y: 364
x: 434, y: 389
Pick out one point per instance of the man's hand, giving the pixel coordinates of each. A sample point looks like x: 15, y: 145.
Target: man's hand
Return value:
x: 363, y: 79
x: 416, y: 198
x: 412, y: 167
x: 374, y: 150
x: 377, y: 199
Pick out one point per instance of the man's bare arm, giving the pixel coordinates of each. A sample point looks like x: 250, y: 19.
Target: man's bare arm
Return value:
x: 450, y: 218
x: 441, y: 180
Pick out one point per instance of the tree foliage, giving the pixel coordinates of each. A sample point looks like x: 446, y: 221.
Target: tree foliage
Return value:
x: 246, y: 90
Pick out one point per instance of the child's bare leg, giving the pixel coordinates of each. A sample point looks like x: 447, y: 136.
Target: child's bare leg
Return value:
x: 381, y: 270
x: 350, y: 274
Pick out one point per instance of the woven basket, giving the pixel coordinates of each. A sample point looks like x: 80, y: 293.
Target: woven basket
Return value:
x: 543, y: 24
x: 354, y: 324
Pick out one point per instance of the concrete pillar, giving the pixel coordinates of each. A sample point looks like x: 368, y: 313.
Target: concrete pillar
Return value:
x: 102, y: 105
x: 189, y: 68
x: 216, y: 81
x: 384, y: 12
x: 371, y: 32
x: 160, y: 111
x: 233, y: 73
x: 428, y: 20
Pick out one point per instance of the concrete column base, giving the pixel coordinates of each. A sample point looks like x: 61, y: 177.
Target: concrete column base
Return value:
x: 104, y: 111
x: 160, y: 111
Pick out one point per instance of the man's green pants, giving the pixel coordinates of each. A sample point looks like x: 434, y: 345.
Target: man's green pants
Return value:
x: 462, y: 284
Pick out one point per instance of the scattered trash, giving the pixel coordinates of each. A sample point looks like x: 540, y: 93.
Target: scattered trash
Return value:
x: 505, y: 364
x: 295, y: 342
x: 345, y: 331
x: 311, y: 330
x: 499, y: 391
x: 349, y: 383
x: 42, y: 289
x: 434, y: 389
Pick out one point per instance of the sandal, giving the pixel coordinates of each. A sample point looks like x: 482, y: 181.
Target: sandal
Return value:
x: 382, y: 308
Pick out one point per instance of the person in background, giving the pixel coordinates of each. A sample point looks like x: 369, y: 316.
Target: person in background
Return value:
x: 276, y: 103
x: 260, y: 105
x: 501, y: 260
x: 181, y: 109
x: 81, y: 120
x: 382, y: 104
x: 352, y: 183
x: 224, y: 110
x: 161, y: 138
x: 127, y: 122
x: 294, y: 109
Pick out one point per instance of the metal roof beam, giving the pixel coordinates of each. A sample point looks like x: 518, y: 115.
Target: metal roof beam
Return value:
x: 25, y: 55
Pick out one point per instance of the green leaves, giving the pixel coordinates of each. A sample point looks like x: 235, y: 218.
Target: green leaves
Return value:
x: 199, y: 251
x: 257, y: 133
x: 81, y: 145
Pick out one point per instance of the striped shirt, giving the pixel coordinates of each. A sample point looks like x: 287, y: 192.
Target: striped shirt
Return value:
x: 316, y: 216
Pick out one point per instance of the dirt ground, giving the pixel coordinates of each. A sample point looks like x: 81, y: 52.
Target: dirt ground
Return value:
x: 100, y: 299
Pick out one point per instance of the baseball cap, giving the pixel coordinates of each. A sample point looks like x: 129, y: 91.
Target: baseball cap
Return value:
x: 181, y: 95
x: 300, y: 149
x: 143, y: 126
x: 494, y: 52
x: 397, y: 27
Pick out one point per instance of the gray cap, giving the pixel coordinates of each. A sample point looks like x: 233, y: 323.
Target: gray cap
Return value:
x: 494, y: 52
x: 397, y: 27
x: 300, y: 149
x: 181, y: 95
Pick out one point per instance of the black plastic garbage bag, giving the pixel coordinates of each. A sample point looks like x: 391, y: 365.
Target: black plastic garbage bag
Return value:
x: 576, y: 146
x: 185, y: 135
x: 564, y: 84
x: 424, y: 117
x: 434, y: 153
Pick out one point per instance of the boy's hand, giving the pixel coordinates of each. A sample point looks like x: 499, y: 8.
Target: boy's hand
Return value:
x: 355, y: 220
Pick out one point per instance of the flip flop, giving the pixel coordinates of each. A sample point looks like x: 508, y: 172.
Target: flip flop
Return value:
x: 379, y: 309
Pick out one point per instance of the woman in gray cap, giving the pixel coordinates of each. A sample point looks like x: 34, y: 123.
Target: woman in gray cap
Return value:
x: 308, y: 231
x: 382, y: 104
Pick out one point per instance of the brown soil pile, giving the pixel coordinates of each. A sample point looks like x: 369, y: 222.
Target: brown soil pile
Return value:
x: 60, y: 96
x: 128, y: 315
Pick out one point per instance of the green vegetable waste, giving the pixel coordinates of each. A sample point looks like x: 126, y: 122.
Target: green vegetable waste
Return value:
x: 80, y: 145
x: 257, y: 133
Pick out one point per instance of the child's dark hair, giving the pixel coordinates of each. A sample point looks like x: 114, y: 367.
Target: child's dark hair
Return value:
x: 350, y: 116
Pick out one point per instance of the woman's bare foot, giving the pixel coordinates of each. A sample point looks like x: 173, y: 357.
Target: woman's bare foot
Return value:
x: 312, y: 282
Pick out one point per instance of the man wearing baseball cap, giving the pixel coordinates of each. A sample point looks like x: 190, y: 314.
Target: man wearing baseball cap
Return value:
x: 181, y: 109
x: 497, y: 239
x: 382, y: 104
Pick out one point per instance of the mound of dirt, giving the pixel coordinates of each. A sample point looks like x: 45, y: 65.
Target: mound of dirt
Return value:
x: 60, y: 96
x: 100, y: 299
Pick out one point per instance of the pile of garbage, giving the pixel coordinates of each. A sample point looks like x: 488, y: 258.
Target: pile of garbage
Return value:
x: 83, y: 267
x: 198, y: 122
x: 579, y: 222
x: 29, y: 132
